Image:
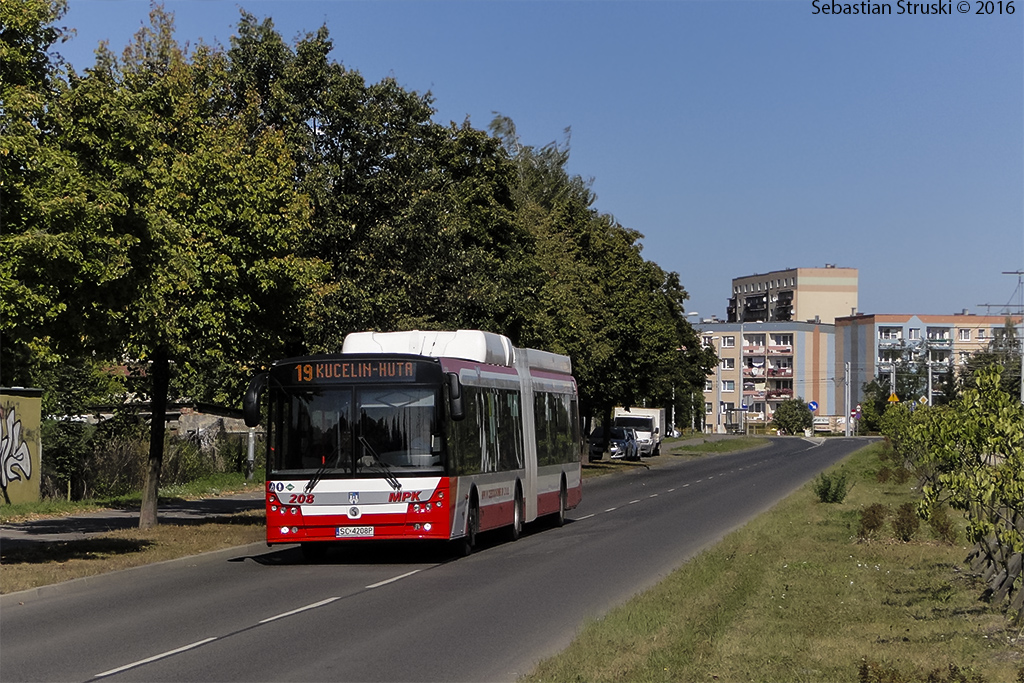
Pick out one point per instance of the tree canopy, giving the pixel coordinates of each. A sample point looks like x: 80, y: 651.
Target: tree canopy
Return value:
x: 198, y: 212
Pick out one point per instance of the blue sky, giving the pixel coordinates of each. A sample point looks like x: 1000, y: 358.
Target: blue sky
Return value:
x: 738, y: 136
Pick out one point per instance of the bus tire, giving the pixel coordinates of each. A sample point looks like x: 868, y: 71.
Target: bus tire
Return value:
x: 468, y: 542
x: 517, y: 515
x: 563, y: 503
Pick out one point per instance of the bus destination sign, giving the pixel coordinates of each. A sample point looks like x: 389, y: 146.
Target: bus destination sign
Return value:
x: 330, y: 372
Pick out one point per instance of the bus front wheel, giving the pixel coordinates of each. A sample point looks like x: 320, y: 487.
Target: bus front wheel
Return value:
x: 468, y: 542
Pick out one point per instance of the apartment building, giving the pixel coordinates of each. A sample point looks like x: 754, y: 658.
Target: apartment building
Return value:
x: 762, y: 364
x: 877, y: 344
x: 794, y: 294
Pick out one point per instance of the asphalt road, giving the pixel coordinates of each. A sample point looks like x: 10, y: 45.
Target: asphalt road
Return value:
x: 399, y: 613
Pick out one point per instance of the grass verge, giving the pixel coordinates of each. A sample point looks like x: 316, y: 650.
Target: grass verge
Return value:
x: 730, y: 445
x: 795, y: 595
x: 29, y: 565
x: 211, y: 485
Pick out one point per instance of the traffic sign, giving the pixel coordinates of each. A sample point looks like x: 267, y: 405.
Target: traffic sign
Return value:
x: 893, y: 398
x: 923, y: 400
x: 813, y: 405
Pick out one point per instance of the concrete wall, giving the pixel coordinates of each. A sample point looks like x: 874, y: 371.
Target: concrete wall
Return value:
x: 21, y: 446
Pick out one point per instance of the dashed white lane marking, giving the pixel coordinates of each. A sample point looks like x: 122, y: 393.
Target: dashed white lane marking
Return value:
x: 580, y: 519
x: 154, y: 658
x: 633, y: 502
x: 296, y: 611
x: 289, y: 613
x: 392, y: 580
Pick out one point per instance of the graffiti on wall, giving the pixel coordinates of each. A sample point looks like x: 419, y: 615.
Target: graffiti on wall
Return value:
x: 15, y: 457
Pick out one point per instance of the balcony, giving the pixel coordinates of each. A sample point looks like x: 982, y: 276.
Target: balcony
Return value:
x: 779, y: 394
x: 780, y: 350
x: 780, y: 372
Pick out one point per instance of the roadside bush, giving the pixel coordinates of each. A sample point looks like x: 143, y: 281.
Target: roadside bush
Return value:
x: 872, y: 519
x: 832, y: 488
x: 902, y: 475
x: 66, y: 445
x: 941, y: 524
x: 906, y: 522
x: 183, y: 462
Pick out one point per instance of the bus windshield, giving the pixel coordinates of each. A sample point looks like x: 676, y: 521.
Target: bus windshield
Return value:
x: 355, y: 431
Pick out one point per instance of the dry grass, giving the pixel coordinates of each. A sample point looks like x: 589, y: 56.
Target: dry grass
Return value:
x: 29, y: 565
x: 794, y: 596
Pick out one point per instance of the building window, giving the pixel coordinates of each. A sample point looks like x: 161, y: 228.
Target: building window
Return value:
x: 709, y: 408
x: 981, y: 334
x: 938, y: 356
x: 915, y: 333
x: 728, y: 407
x: 728, y: 342
x: 886, y: 356
x: 965, y: 335
x: 728, y: 363
x: 709, y: 385
x: 728, y: 385
x: 890, y: 333
x: 782, y: 340
x: 938, y: 334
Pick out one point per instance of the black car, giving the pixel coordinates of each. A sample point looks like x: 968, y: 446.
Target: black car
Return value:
x: 597, y: 444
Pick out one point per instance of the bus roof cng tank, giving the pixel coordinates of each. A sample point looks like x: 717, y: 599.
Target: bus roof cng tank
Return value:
x: 483, y: 347
x: 473, y: 345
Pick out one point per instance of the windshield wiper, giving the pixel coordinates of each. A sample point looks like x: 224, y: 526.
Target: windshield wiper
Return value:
x: 389, y: 477
x: 319, y: 474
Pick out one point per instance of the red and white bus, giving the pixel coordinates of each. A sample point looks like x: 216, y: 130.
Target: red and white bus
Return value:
x: 417, y: 435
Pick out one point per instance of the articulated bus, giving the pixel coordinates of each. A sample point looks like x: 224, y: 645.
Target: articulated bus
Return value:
x: 417, y: 435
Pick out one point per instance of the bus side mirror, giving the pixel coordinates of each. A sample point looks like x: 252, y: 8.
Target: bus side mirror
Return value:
x: 251, y: 404
x: 455, y: 406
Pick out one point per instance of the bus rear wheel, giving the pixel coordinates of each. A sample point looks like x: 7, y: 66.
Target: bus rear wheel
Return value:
x: 517, y: 515
x: 563, y: 504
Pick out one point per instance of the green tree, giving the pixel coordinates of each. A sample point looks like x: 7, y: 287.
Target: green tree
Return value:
x: 793, y: 416
x: 618, y: 316
x: 972, y: 457
x: 414, y: 219
x: 1003, y: 351
x: 178, y: 227
x: 34, y: 174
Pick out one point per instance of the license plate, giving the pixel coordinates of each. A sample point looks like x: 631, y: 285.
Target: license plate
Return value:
x: 353, y: 531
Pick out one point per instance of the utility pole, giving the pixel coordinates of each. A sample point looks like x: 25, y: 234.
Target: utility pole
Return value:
x: 846, y: 397
x: 928, y: 369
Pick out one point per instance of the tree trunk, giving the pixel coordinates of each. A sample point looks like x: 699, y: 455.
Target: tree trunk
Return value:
x: 160, y: 375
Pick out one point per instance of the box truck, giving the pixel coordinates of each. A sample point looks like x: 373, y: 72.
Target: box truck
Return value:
x: 649, y: 424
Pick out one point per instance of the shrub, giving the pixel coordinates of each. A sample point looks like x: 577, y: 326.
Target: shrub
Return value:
x: 884, y: 474
x: 906, y: 522
x: 832, y: 488
x: 902, y: 475
x: 942, y: 526
x: 872, y: 519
